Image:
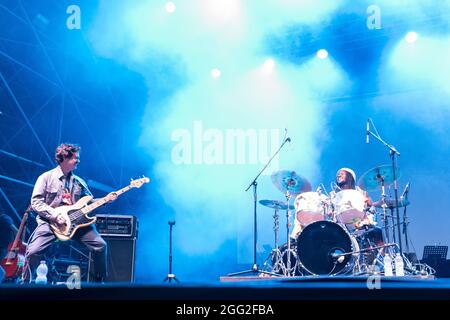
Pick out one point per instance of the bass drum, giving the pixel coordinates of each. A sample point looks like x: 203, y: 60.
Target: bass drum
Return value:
x: 319, y: 246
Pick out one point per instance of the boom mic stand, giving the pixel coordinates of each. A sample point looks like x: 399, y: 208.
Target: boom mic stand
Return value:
x: 255, y: 269
x: 392, y: 153
x: 404, y: 199
x: 405, y: 228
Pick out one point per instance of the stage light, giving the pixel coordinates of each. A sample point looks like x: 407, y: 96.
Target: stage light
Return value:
x: 215, y: 73
x: 170, y: 7
x: 269, y: 64
x: 322, y: 54
x: 411, y: 37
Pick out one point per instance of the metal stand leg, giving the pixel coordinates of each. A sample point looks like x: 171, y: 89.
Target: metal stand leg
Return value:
x: 170, y: 275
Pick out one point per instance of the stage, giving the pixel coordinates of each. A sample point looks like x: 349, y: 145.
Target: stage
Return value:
x: 211, y: 139
x: 246, y: 289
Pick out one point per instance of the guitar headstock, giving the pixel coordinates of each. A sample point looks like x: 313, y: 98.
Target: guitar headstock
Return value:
x: 139, y: 182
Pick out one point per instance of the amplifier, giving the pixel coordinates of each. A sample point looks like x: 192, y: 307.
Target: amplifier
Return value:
x: 117, y: 225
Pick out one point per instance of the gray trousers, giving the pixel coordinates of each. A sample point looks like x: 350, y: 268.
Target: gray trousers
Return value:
x: 43, y: 237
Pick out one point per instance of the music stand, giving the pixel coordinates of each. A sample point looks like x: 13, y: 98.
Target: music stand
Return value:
x: 433, y: 252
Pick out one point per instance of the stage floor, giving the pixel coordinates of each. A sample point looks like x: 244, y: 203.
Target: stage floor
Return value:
x: 246, y: 288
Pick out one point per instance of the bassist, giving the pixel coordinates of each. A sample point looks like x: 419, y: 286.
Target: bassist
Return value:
x: 55, y: 188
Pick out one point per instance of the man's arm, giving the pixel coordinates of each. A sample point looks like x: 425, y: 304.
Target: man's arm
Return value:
x: 38, y: 200
x: 86, y: 192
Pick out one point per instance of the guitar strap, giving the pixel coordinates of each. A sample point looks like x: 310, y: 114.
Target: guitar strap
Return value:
x: 68, y: 191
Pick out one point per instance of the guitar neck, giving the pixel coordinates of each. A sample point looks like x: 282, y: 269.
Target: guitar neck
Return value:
x: 103, y: 200
x: 19, y: 232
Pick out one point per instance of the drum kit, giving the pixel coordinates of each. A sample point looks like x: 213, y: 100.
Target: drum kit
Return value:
x: 334, y: 233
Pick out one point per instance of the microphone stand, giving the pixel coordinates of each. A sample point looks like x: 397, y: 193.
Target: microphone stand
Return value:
x: 392, y: 153
x: 170, y: 276
x: 405, y: 223
x: 255, y: 269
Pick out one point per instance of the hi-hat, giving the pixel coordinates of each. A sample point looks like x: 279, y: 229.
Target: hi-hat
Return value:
x: 376, y: 177
x: 276, y: 204
x: 286, y: 180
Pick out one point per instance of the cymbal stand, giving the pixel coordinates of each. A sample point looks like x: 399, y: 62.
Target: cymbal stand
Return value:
x: 288, y: 228
x: 276, y: 256
x: 393, y: 224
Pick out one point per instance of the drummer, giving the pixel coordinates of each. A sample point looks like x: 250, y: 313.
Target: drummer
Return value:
x: 346, y: 180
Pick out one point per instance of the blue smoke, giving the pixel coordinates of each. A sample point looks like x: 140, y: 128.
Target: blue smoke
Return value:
x: 191, y: 121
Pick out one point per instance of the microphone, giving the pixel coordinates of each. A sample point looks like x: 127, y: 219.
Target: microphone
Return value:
x: 405, y: 192
x: 335, y: 187
x: 338, y: 257
x: 323, y: 189
x: 288, y: 139
x: 370, y: 210
x: 367, y: 131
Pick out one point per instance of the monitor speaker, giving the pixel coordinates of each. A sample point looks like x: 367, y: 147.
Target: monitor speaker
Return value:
x: 120, y: 259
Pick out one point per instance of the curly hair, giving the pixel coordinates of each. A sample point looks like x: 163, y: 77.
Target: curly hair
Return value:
x: 66, y: 151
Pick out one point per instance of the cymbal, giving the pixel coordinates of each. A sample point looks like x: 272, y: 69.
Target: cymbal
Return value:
x: 286, y: 180
x: 374, y: 178
x: 390, y: 203
x: 276, y: 204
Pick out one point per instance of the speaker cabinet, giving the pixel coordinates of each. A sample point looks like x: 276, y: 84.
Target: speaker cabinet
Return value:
x: 120, y: 259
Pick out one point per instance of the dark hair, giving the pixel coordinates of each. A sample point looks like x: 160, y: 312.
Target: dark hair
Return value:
x: 66, y: 151
x: 352, y: 181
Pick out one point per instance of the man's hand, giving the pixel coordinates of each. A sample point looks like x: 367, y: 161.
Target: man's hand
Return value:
x: 60, y: 221
x: 111, y: 197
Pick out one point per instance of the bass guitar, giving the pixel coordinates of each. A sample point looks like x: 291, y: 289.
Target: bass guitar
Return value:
x: 76, y: 215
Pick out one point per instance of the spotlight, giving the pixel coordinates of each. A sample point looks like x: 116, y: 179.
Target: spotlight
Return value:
x: 215, y: 73
x: 269, y: 64
x: 322, y: 54
x: 411, y: 37
x: 170, y: 7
